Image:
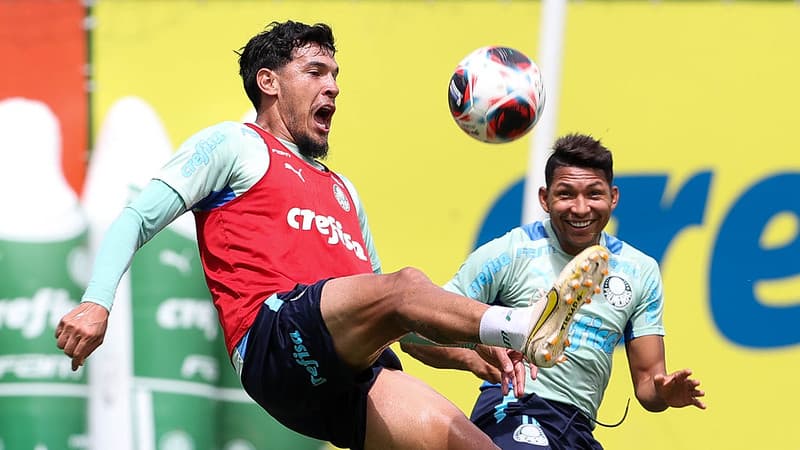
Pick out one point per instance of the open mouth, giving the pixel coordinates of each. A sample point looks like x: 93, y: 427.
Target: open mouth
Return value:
x: 579, y: 223
x: 323, y: 116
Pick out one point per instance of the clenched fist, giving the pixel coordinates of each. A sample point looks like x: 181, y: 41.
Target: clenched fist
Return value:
x: 81, y: 331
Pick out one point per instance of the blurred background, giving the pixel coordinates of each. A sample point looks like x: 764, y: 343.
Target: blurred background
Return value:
x: 695, y: 98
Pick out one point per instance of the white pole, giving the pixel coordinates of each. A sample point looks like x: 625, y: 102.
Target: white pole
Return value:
x: 551, y: 43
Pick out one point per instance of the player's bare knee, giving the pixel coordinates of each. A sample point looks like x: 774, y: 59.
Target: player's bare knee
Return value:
x: 402, y: 289
x: 408, y: 282
x: 413, y: 278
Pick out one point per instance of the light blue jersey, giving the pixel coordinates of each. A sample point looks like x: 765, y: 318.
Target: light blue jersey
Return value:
x: 511, y: 269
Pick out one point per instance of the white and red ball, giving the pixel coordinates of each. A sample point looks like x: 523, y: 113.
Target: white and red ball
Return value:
x: 496, y: 94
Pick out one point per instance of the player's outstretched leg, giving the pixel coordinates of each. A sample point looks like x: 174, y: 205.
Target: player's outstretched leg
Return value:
x: 575, y: 286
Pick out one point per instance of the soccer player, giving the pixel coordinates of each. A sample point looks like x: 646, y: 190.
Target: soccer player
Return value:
x: 559, y: 408
x: 291, y: 266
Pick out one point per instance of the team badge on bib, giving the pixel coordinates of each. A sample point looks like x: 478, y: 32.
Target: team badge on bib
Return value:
x: 529, y: 433
x: 617, y: 291
x: 340, y: 196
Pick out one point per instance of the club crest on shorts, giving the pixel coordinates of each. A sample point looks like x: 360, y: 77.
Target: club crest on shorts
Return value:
x: 529, y: 433
x: 341, y: 197
x: 617, y: 291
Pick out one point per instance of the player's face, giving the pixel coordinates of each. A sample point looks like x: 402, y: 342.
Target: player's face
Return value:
x: 307, y: 98
x: 580, y: 202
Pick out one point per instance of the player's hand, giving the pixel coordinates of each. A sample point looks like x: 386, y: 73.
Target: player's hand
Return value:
x: 678, y: 390
x: 481, y: 369
x: 511, y: 365
x: 81, y: 331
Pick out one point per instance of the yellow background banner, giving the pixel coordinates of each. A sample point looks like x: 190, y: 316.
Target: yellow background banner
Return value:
x: 673, y: 88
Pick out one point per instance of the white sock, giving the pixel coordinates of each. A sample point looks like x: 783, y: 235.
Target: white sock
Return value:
x: 507, y: 327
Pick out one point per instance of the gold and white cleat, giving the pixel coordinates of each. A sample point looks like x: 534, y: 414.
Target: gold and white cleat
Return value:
x: 580, y: 279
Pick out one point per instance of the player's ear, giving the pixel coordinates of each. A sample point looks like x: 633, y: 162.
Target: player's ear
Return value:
x: 543, y: 199
x: 267, y: 81
x: 614, y: 197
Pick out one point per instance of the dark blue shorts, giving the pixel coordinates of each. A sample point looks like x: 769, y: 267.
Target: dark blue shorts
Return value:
x: 531, y: 422
x: 291, y: 369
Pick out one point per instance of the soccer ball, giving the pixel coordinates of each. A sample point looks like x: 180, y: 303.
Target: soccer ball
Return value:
x: 496, y: 94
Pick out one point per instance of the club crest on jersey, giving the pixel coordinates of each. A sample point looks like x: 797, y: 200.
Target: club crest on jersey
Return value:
x: 341, y: 197
x: 617, y: 291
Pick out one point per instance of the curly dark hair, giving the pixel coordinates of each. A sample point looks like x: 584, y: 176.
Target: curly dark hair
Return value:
x: 272, y: 49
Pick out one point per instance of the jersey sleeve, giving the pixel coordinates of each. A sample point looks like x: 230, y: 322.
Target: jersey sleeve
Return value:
x: 648, y: 315
x: 153, y: 209
x: 483, y: 274
x: 207, y: 164
x: 224, y: 159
